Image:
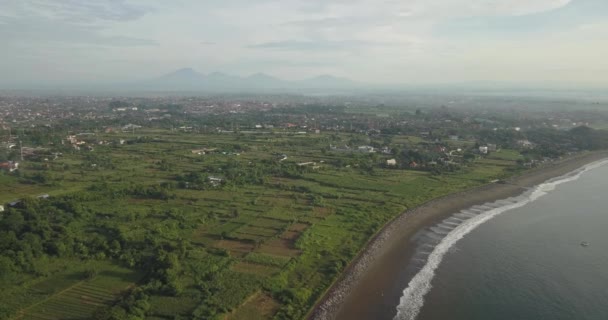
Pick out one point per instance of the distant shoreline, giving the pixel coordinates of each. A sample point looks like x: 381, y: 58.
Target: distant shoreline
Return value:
x: 365, y: 290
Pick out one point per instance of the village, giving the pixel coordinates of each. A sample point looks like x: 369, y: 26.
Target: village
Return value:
x: 137, y: 195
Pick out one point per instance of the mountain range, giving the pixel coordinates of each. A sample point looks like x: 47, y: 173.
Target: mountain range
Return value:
x: 188, y: 79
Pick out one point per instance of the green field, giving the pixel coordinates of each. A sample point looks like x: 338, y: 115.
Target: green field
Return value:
x: 68, y: 294
x: 264, y: 243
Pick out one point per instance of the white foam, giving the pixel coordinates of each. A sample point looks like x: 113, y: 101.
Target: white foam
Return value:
x: 454, y: 220
x: 483, y: 207
x: 412, y: 299
x: 471, y: 212
x: 440, y: 231
x: 446, y: 226
x: 434, y: 236
x: 451, y: 223
x: 464, y: 216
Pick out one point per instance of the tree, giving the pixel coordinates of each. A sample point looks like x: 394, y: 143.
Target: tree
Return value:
x: 7, y: 268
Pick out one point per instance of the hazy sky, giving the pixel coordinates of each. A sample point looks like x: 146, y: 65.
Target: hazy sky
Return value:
x: 376, y: 41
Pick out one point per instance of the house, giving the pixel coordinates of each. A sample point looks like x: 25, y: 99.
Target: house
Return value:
x: 203, y: 151
x: 1, y: 208
x: 525, y: 144
x: 391, y: 162
x: 131, y: 126
x: 454, y: 137
x: 10, y: 166
x: 492, y: 147
x: 72, y: 139
x: 366, y: 149
x: 483, y: 150
x: 305, y: 164
x: 413, y: 165
x: 341, y: 148
x: 387, y: 150
x: 215, y: 181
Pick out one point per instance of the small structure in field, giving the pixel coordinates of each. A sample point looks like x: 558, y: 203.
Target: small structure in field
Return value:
x: 9, y: 166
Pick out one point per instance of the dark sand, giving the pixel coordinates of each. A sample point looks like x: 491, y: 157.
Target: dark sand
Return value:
x: 372, y: 285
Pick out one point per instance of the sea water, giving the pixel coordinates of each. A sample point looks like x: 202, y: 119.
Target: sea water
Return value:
x: 518, y: 258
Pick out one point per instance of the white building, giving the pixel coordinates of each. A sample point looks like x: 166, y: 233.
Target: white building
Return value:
x: 525, y: 144
x: 366, y: 149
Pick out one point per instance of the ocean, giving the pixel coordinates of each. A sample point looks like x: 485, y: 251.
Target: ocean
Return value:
x: 518, y: 258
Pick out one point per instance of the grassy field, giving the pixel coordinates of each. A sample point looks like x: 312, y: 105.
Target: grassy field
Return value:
x: 67, y: 294
x: 265, y: 249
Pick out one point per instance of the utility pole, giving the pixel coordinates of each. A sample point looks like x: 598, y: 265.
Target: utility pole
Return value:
x: 21, y: 149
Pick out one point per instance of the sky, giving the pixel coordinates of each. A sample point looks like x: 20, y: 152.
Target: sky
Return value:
x: 370, y: 41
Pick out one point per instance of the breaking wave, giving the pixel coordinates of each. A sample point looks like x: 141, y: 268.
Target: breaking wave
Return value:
x: 461, y: 224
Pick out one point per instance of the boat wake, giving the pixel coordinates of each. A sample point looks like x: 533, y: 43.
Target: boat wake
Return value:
x: 447, y: 233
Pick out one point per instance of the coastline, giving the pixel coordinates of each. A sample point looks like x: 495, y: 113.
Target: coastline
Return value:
x: 370, y: 287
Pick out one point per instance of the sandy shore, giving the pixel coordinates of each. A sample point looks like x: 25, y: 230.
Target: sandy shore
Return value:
x: 372, y: 284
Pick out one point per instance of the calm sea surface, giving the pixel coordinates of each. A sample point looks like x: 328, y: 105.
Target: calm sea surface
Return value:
x: 526, y: 262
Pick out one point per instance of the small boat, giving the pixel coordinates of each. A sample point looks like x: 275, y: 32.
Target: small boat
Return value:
x: 584, y: 244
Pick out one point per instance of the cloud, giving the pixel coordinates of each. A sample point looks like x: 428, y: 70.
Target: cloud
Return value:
x: 70, y: 21
x: 82, y: 11
x: 322, y: 45
x: 570, y: 16
x: 381, y: 40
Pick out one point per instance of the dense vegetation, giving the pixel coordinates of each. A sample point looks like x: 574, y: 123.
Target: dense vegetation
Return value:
x: 156, y: 223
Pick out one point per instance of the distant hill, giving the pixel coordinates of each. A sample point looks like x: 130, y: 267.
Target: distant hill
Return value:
x: 188, y: 79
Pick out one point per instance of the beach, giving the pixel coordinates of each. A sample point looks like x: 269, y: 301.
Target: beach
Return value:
x: 371, y: 286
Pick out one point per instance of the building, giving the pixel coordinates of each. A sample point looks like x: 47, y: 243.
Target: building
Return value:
x: 483, y: 150
x: 305, y: 164
x: 525, y: 144
x: 391, y: 162
x: 492, y: 147
x: 1, y: 208
x: 204, y: 151
x: 366, y: 149
x: 9, y: 166
x: 215, y: 181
